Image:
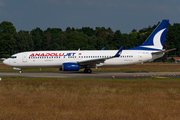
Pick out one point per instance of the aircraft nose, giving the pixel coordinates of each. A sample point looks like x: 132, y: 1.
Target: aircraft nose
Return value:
x: 5, y: 62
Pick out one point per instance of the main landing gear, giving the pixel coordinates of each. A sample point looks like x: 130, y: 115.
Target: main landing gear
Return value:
x: 87, y: 71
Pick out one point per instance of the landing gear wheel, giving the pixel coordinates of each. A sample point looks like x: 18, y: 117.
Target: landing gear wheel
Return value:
x: 87, y: 71
x: 20, y: 71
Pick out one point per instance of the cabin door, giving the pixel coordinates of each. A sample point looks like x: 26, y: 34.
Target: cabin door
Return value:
x: 78, y: 55
x: 24, y: 57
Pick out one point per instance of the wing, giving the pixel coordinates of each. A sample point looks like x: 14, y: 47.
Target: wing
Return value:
x: 93, y: 62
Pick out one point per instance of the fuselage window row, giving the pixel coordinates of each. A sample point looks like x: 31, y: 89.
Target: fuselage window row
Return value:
x: 128, y: 56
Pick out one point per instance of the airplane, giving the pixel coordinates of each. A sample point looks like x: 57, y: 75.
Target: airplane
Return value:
x: 74, y: 60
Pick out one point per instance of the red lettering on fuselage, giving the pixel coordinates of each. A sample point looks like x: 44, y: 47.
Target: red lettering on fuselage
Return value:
x: 32, y: 55
x: 46, y: 54
x: 37, y: 54
x: 54, y: 54
x: 61, y: 55
x: 42, y: 55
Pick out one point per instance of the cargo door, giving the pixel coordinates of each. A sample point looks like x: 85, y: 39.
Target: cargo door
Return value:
x: 140, y: 56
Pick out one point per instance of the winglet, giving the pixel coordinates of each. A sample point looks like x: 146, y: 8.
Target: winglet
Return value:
x: 119, y: 52
x: 103, y: 48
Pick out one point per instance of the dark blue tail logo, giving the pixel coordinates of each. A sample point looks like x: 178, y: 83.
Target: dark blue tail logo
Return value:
x: 156, y: 40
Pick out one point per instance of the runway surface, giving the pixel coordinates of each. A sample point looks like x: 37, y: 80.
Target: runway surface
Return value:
x: 98, y: 74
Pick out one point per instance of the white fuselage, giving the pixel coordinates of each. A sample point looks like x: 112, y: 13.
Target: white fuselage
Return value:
x: 40, y: 59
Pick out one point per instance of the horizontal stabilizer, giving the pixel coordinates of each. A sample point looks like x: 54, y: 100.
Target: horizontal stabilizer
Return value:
x: 164, y: 51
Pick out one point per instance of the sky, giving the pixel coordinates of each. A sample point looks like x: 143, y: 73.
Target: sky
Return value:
x: 123, y: 15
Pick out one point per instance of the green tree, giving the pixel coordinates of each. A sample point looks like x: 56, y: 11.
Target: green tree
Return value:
x: 117, y: 41
x: 87, y: 30
x: 24, y: 41
x: 37, y: 36
x: 7, y: 42
x: 173, y: 38
x: 4, y: 44
x: 7, y: 27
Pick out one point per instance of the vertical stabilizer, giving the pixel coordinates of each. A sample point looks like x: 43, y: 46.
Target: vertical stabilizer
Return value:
x: 156, y: 40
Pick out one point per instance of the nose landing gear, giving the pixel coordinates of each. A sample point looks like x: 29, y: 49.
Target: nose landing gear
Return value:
x: 20, y: 71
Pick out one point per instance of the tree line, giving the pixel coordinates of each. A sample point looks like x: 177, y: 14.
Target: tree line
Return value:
x: 86, y: 38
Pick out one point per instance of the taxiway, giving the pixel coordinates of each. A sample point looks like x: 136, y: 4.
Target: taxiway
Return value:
x: 98, y: 74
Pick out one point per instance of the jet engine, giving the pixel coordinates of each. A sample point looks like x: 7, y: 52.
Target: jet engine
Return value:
x: 70, y: 67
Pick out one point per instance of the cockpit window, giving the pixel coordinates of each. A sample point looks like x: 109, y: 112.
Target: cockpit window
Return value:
x: 13, y: 57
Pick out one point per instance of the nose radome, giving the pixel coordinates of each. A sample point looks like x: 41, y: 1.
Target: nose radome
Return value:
x: 5, y: 62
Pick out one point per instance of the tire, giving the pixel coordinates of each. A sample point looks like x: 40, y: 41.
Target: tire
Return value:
x: 87, y: 71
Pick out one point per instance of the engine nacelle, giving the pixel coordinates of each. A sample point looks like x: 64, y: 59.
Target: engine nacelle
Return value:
x: 70, y: 67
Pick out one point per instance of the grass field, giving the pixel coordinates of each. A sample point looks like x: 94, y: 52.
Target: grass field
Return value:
x: 89, y: 99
